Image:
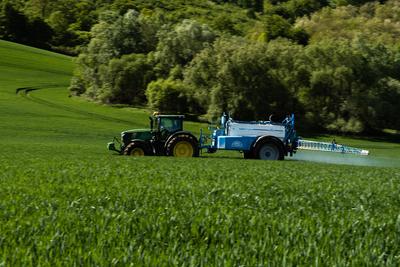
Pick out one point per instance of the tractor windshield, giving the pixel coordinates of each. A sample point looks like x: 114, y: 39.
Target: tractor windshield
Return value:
x: 170, y: 124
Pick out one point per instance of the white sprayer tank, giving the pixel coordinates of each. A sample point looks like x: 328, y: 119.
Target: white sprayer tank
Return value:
x: 235, y: 128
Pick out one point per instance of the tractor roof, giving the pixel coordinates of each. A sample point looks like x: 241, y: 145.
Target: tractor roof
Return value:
x: 170, y: 116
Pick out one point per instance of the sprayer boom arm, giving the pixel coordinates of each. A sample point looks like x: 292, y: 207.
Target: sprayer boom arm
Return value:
x: 330, y: 147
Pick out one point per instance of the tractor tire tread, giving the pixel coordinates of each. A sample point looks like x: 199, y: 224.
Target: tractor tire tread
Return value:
x: 169, y: 148
x: 141, y: 145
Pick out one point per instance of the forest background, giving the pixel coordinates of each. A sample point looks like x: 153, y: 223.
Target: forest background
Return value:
x: 335, y: 64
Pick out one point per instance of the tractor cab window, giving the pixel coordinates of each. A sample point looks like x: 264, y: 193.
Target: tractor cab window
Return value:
x: 170, y: 124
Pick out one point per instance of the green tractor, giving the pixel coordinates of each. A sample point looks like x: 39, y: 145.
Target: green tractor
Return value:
x: 165, y: 137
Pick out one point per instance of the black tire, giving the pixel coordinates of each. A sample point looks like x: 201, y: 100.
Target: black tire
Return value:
x: 137, y: 149
x: 248, y: 154
x: 182, y: 145
x: 268, y: 150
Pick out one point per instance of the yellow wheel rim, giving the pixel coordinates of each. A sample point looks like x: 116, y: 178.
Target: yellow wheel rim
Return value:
x: 137, y: 152
x: 183, y: 149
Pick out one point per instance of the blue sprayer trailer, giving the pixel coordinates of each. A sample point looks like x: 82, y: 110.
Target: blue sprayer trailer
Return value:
x: 256, y: 139
x: 266, y: 140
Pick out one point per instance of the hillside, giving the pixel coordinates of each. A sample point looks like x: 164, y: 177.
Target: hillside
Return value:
x: 45, y: 118
x: 66, y: 200
x: 334, y: 63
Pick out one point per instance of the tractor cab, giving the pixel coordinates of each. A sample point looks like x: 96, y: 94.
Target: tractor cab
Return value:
x: 166, y: 125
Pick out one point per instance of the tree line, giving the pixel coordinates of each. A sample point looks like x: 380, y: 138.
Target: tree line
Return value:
x: 65, y: 25
x: 339, y: 83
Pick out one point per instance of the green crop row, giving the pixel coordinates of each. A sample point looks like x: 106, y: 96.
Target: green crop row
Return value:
x: 165, y: 211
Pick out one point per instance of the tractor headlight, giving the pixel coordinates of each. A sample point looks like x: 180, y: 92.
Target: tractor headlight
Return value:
x: 124, y: 137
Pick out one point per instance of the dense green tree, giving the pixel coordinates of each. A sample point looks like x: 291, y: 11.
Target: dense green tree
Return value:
x: 349, y: 2
x: 71, y: 21
x: 13, y: 24
x: 276, y: 26
x: 17, y: 27
x: 60, y: 25
x: 179, y: 45
x: 300, y: 8
x: 257, y: 5
x: 334, y: 85
x: 168, y: 96
x: 375, y: 22
x: 238, y: 76
x: 347, y: 81
x: 151, y: 22
x: 38, y: 7
x: 115, y: 67
x: 224, y: 23
x: 294, y: 9
x: 385, y: 99
x: 125, y: 79
x: 113, y: 37
x: 39, y: 33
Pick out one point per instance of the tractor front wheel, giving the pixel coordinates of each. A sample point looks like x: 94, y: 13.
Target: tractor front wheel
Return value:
x: 136, y: 149
x: 182, y: 146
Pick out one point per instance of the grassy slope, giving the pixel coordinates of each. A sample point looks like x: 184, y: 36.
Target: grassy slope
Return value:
x: 64, y: 199
x: 48, y: 117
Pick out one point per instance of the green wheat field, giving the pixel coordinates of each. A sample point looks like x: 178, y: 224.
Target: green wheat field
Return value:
x: 67, y: 201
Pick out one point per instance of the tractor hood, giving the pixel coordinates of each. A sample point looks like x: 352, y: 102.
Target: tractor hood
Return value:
x: 137, y: 131
x: 141, y: 134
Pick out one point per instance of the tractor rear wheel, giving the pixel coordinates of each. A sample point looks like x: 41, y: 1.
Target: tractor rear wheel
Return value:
x: 136, y: 149
x: 182, y: 145
x: 268, y: 151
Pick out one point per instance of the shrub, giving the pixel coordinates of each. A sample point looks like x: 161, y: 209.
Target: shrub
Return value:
x: 167, y: 96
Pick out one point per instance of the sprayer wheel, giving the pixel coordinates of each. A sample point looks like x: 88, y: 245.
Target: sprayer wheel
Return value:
x: 248, y: 154
x: 268, y: 151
